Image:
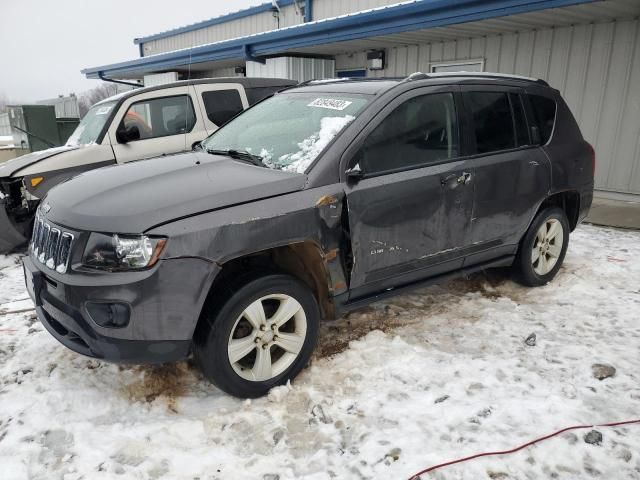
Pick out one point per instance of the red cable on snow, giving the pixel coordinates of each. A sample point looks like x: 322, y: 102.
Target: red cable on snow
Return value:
x: 513, y: 450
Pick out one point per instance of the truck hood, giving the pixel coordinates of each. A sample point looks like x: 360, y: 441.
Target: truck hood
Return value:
x: 137, y: 196
x: 13, y: 166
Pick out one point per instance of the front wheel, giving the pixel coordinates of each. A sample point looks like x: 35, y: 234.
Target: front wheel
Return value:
x: 543, y: 248
x: 260, y: 337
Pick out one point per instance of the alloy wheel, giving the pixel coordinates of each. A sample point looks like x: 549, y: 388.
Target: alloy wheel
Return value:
x: 547, y: 246
x: 267, y: 337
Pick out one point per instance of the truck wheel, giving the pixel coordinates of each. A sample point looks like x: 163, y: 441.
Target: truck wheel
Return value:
x: 543, y: 248
x: 261, y: 336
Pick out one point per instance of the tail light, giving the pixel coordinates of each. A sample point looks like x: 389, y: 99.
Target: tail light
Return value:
x: 593, y: 159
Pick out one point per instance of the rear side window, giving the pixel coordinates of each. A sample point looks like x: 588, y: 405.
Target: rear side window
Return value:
x: 544, y: 111
x: 493, y: 124
x: 222, y: 105
x: 160, y: 117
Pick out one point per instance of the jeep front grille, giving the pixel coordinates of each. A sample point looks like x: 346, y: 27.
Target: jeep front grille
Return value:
x: 51, y: 246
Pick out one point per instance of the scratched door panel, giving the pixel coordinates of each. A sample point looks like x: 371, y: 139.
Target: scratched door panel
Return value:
x: 407, y: 226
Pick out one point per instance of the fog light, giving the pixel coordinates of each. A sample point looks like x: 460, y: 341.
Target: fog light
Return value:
x: 109, y: 315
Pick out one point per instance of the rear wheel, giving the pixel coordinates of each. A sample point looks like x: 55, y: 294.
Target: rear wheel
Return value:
x: 543, y: 248
x: 259, y: 337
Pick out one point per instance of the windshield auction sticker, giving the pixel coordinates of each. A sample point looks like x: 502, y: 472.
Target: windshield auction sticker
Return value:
x: 103, y: 110
x: 330, y: 103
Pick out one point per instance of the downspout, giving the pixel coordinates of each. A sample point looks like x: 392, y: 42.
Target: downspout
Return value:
x: 105, y: 79
x: 308, y: 15
x: 246, y: 50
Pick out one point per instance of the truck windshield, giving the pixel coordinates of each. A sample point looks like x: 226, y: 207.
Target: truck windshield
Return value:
x: 289, y: 130
x: 91, y: 125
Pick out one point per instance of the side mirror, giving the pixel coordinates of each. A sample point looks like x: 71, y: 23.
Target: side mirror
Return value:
x: 128, y: 134
x: 196, y: 146
x: 354, y: 173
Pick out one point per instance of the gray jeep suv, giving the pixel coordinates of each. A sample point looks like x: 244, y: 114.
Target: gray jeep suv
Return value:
x: 318, y: 200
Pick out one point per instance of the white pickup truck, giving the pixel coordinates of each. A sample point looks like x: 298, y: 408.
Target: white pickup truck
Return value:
x: 143, y: 123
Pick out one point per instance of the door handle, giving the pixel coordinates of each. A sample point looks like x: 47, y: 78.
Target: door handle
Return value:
x: 453, y: 180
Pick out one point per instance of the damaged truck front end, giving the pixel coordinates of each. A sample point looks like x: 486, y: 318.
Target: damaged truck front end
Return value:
x: 17, y: 209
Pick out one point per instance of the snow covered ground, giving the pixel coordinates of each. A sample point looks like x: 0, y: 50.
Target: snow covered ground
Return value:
x: 442, y: 373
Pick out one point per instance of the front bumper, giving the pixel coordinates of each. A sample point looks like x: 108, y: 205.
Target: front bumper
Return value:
x: 164, y: 309
x: 10, y: 237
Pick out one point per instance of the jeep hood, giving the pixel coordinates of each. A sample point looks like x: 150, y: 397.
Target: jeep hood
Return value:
x: 135, y: 197
x: 14, y: 166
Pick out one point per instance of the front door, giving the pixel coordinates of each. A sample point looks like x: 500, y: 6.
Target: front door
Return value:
x: 166, y: 120
x: 512, y: 176
x: 409, y: 215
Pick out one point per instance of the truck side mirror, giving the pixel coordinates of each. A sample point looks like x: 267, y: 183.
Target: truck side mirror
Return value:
x: 128, y: 134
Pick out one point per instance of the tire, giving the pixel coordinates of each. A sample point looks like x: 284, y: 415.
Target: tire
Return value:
x: 550, y: 252
x: 231, y: 349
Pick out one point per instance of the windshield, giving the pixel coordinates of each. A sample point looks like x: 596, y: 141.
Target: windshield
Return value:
x: 289, y: 130
x: 91, y: 125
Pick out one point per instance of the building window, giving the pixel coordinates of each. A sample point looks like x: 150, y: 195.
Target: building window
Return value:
x: 464, y: 66
x: 222, y: 105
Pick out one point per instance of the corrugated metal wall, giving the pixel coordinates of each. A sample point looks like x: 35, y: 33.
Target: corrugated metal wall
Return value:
x: 241, y: 27
x: 217, y: 72
x: 595, y: 66
x: 333, y: 8
x: 66, y: 107
x: 293, y: 68
x: 5, y: 126
x: 261, y: 22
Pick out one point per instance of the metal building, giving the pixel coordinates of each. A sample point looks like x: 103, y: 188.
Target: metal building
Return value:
x: 588, y: 49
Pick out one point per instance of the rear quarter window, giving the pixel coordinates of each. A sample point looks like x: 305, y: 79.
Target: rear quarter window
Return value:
x: 222, y: 105
x: 544, y: 112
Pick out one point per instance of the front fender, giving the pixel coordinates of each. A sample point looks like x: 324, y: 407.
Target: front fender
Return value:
x: 313, y: 215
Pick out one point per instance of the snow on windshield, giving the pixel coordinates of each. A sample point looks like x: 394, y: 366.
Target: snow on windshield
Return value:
x: 310, y: 147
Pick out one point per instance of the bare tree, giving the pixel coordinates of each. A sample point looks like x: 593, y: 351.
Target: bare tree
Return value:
x: 93, y: 96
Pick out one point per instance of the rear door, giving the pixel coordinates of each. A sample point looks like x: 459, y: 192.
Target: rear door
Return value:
x: 166, y: 120
x: 511, y: 177
x: 220, y: 102
x: 409, y: 216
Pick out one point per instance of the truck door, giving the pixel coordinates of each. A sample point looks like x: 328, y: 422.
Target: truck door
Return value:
x: 165, y: 120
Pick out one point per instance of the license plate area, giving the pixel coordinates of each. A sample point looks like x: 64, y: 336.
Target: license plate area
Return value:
x: 33, y: 281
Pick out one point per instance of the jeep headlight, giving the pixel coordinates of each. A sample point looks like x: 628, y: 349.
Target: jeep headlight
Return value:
x: 122, y: 252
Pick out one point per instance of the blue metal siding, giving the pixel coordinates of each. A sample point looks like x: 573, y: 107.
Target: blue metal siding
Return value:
x: 420, y: 14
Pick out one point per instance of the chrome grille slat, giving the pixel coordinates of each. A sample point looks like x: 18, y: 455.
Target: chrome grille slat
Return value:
x: 44, y: 242
x: 51, y: 246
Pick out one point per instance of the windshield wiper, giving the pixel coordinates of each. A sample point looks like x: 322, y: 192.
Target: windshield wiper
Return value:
x: 239, y: 155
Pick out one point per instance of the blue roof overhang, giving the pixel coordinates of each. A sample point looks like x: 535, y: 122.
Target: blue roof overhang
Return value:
x: 405, y: 17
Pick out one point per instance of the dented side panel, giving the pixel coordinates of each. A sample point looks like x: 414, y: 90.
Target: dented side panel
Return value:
x: 408, y: 225
x: 313, y: 215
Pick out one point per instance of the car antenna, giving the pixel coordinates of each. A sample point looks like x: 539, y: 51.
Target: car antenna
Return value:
x: 186, y: 100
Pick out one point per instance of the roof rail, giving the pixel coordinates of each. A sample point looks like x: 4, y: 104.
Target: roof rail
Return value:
x: 425, y: 76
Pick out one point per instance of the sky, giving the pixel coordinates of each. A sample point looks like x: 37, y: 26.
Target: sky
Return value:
x: 44, y: 44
